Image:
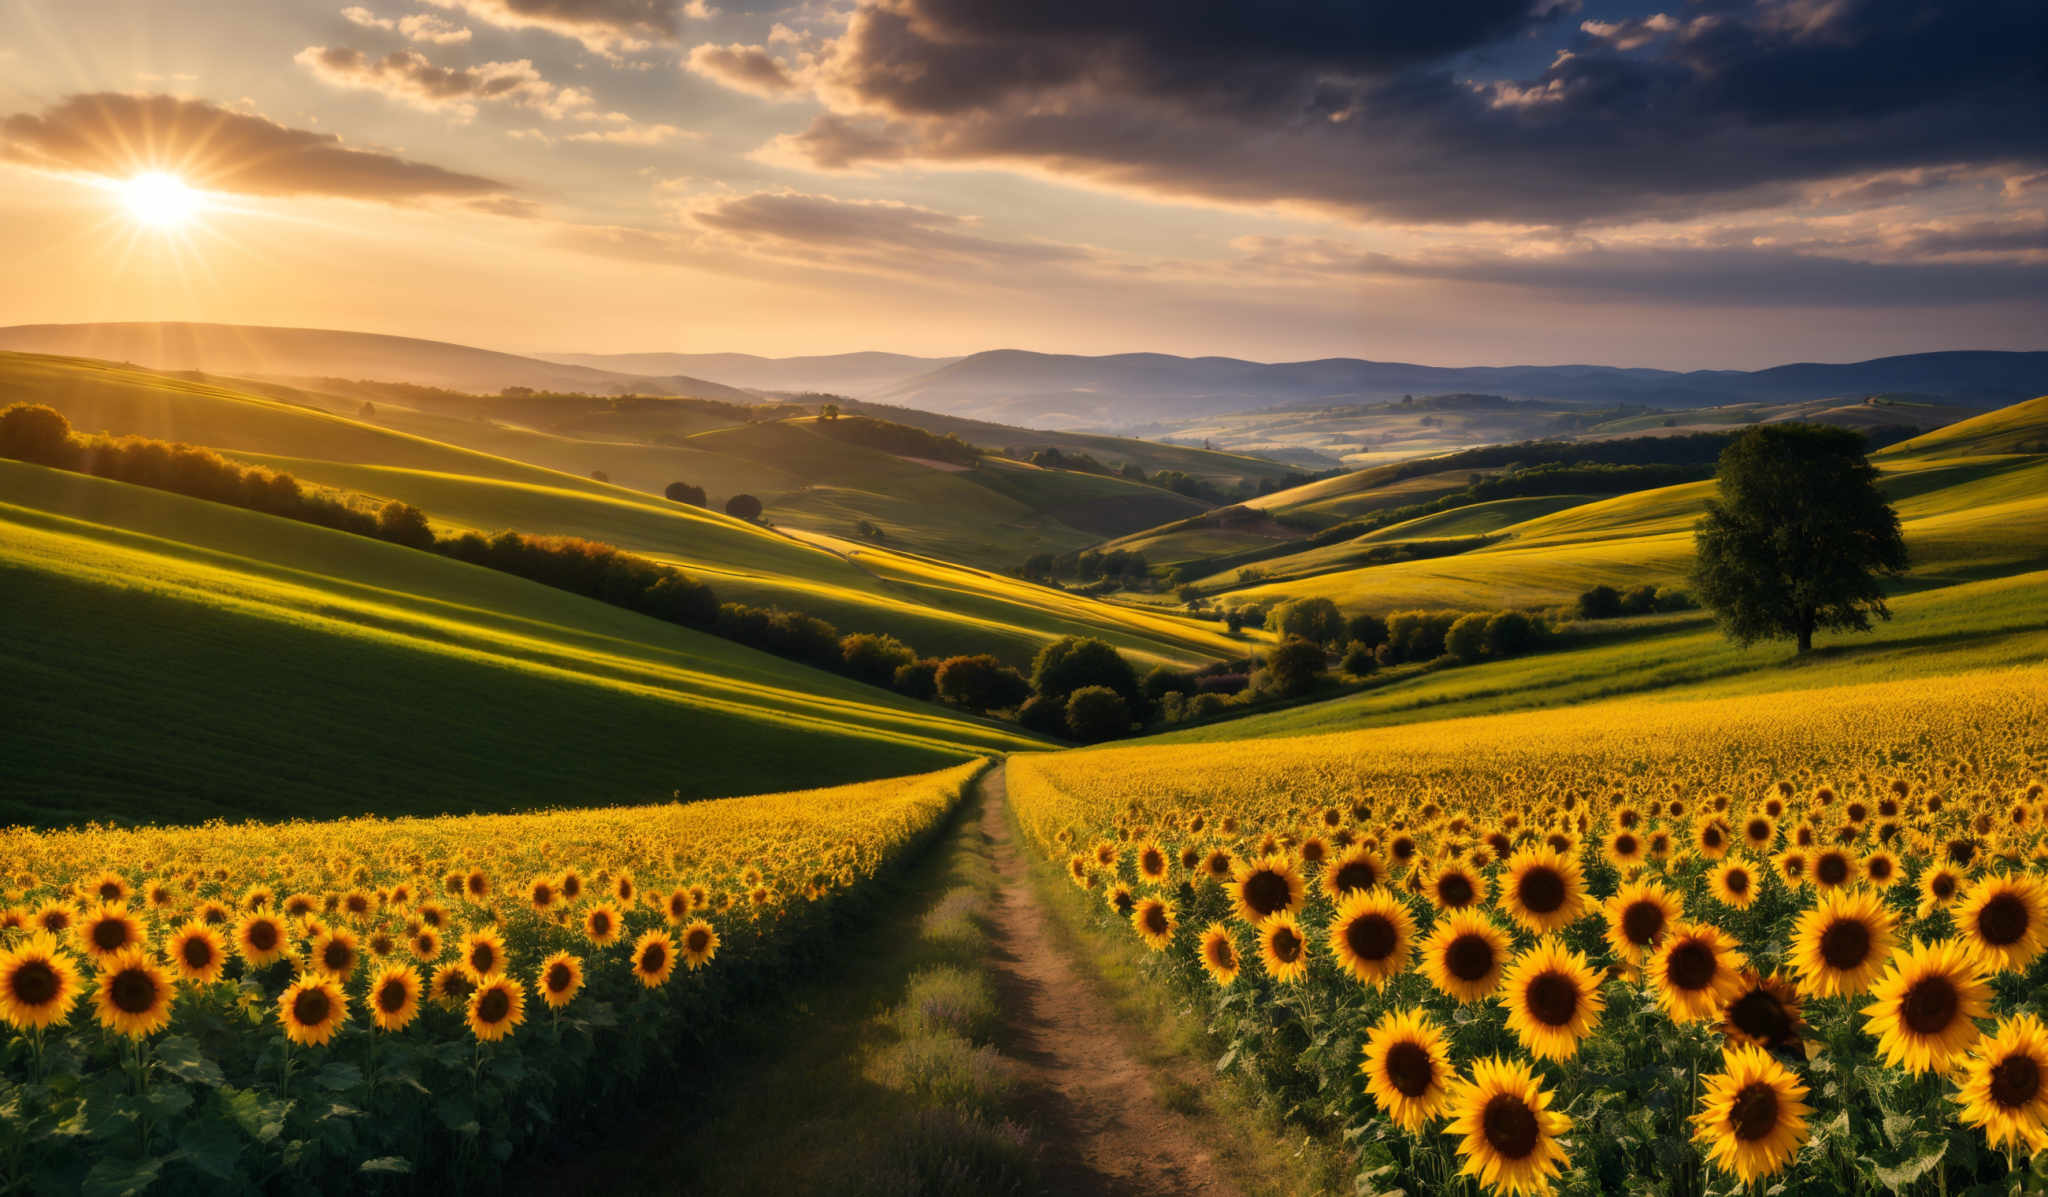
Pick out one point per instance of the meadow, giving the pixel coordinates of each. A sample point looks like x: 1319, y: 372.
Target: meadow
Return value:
x: 1613, y: 930
x: 327, y: 1006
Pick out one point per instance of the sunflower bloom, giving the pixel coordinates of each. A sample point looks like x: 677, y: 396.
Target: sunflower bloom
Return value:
x: 1219, y: 955
x: 496, y: 1008
x: 654, y: 958
x: 561, y: 978
x: 38, y: 984
x: 1507, y: 1130
x: 1465, y: 956
x: 699, y: 945
x: 312, y: 1008
x: 1372, y: 936
x: 196, y: 953
x: 1154, y: 920
x: 1266, y: 887
x: 1283, y: 948
x: 1553, y: 999
x: 1927, y: 1004
x: 1695, y: 970
x: 1543, y: 891
x: 1638, y: 916
x: 2003, y: 920
x: 2004, y: 1086
x: 1752, y: 1115
x: 1407, y: 1068
x: 1839, y: 945
x: 394, y: 997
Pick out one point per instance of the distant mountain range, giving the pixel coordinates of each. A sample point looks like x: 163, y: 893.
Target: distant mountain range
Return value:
x: 1019, y: 387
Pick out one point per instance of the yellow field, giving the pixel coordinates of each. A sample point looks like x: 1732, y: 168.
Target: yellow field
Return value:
x: 400, y: 990
x: 1627, y: 914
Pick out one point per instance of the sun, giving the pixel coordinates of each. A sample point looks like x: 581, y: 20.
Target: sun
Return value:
x: 159, y: 199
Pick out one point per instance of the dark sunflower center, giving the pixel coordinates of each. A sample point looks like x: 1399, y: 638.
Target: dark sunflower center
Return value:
x: 571, y: 888
x: 600, y: 923
x: 1356, y: 875
x: 1758, y: 831
x: 1509, y: 1126
x: 262, y: 936
x: 1711, y: 837
x: 1761, y: 1016
x: 1219, y: 863
x: 493, y: 1006
x: 698, y: 940
x: 458, y: 986
x: 2016, y: 1081
x: 197, y: 953
x: 1286, y: 945
x: 1553, y: 998
x: 1267, y: 892
x: 109, y: 934
x: 1930, y: 1005
x: 1221, y: 954
x: 1754, y: 1113
x: 1845, y: 944
x: 1737, y: 881
x: 1152, y: 862
x: 1455, y: 890
x: 1541, y: 890
x: 1880, y: 869
x: 34, y: 984
x: 1469, y: 958
x: 132, y: 991
x: 336, y: 955
x: 1642, y: 923
x: 1372, y: 936
x: 2003, y: 920
x: 1832, y: 869
x: 311, y: 1007
x: 1155, y: 919
x: 1410, y: 1069
x: 1124, y: 903
x: 559, y: 977
x: 1944, y: 887
x: 482, y: 957
x: 653, y: 959
x: 1626, y: 845
x: 391, y: 997
x: 1692, y: 965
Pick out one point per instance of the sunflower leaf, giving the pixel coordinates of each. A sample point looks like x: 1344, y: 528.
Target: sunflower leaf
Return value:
x: 179, y: 1055
x: 387, y: 1165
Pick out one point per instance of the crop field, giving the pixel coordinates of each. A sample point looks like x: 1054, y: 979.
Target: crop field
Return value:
x: 321, y: 1006
x: 1773, y: 944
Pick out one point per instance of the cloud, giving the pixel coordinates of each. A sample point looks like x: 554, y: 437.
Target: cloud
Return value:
x: 834, y: 142
x: 608, y: 27
x: 408, y: 76
x: 751, y: 69
x: 117, y: 135
x: 358, y: 15
x: 631, y: 135
x: 425, y: 27
x: 870, y: 231
x: 1381, y: 110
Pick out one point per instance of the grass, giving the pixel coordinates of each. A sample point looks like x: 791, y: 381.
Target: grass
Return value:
x: 854, y: 585
x: 1970, y: 625
x: 187, y: 660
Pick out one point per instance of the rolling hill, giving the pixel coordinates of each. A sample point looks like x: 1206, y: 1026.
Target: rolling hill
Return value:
x: 837, y: 373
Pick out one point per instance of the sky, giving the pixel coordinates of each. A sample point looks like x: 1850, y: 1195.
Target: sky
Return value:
x: 1687, y: 184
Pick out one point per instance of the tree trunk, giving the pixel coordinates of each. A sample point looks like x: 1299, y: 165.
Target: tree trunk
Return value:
x: 1805, y: 632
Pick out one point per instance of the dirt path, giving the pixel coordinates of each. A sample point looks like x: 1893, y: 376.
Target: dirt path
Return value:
x: 1092, y: 1100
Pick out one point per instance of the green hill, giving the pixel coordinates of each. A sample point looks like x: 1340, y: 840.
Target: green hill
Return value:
x: 180, y: 660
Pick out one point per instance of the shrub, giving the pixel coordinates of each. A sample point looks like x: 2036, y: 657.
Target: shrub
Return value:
x: 1510, y: 634
x: 1165, y: 679
x: 683, y: 492
x: 1291, y: 670
x: 918, y: 680
x: 1639, y: 600
x: 981, y: 683
x: 1097, y: 713
x: 1222, y: 683
x: 874, y: 657
x: 1601, y: 602
x: 1466, y: 639
x: 745, y: 507
x: 1359, y: 660
x: 1314, y: 619
x: 1672, y: 598
x: 1046, y: 716
x: 1419, y: 635
x: 1072, y: 662
x: 1202, y: 706
x: 1369, y: 630
x: 402, y: 523
x: 33, y: 433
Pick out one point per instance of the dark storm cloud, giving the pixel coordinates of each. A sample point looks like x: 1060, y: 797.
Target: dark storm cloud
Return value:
x: 1375, y: 108
x: 116, y: 134
x: 744, y: 68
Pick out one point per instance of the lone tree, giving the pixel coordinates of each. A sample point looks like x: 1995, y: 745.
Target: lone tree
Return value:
x: 684, y: 492
x: 745, y: 507
x: 1798, y: 537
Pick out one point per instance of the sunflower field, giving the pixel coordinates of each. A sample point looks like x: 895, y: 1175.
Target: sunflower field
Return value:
x: 1782, y: 944
x: 333, y: 1006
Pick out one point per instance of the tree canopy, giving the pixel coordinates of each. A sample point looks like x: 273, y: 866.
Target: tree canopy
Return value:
x: 1798, y: 537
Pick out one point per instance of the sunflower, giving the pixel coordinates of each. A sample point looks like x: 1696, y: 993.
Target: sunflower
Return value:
x: 1638, y: 916
x: 107, y: 933
x: 1355, y: 870
x: 1454, y: 886
x: 676, y: 906
x: 1219, y: 954
x: 334, y: 953
x: 699, y: 946
x: 451, y: 985
x: 1832, y: 868
x: 1510, y: 1134
x: 1764, y: 1011
x: 38, y: 983
x: 394, y: 997
x: 1938, y: 889
x: 261, y: 939
x: 497, y: 1006
x: 134, y: 995
x: 601, y: 924
x: 1881, y: 869
x: 1710, y: 838
x: 561, y: 976
x: 424, y: 944
x: 1759, y: 832
x: 54, y: 917
x: 1839, y: 945
x: 1121, y: 899
x: 1407, y: 1068
x: 1372, y: 935
x: 2002, y: 919
x: 109, y: 888
x: 1543, y: 891
x: 1465, y: 955
x: 196, y: 953
x: 1695, y: 970
x: 2004, y: 1085
x: 541, y: 893
x: 1266, y: 887
x: 1154, y: 920
x: 1553, y: 999
x: 483, y: 953
x: 1752, y: 1115
x: 654, y: 958
x: 1218, y: 864
x: 1283, y: 948
x: 1733, y: 884
x: 1153, y: 863
x: 1624, y: 848
x: 1926, y: 1005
